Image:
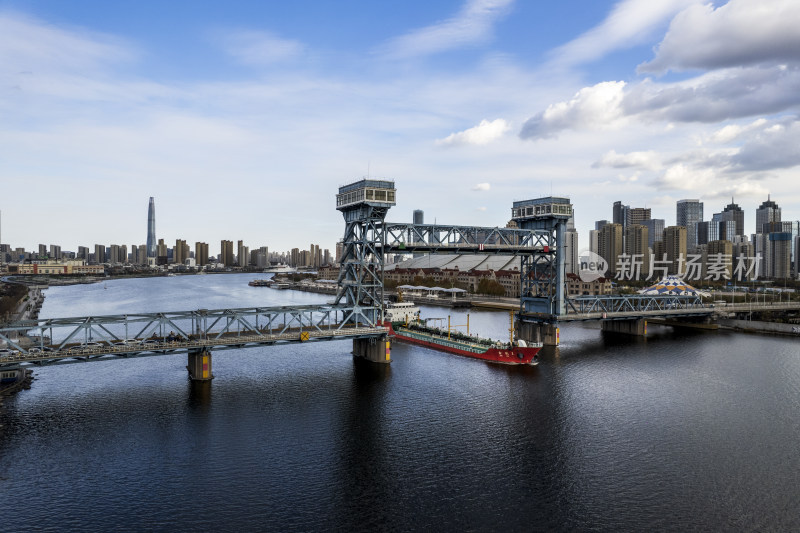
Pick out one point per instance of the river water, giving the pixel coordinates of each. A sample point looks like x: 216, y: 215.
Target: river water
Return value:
x: 679, y: 431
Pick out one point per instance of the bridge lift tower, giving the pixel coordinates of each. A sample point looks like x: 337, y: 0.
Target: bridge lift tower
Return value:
x: 364, y: 205
x: 543, y: 284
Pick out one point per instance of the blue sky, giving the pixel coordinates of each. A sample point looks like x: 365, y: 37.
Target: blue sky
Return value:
x: 243, y: 118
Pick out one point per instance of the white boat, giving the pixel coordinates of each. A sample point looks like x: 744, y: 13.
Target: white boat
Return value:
x: 279, y: 269
x: 400, y: 311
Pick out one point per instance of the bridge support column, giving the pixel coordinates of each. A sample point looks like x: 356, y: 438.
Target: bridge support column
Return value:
x: 199, y: 366
x: 547, y: 334
x: 375, y: 349
x: 637, y: 327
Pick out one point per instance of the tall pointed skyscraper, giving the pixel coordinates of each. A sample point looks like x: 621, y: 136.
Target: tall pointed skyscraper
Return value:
x: 151, y: 228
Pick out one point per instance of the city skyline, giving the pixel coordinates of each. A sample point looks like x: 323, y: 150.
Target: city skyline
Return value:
x: 231, y: 114
x: 416, y: 215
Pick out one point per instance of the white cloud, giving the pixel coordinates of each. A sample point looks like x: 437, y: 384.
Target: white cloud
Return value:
x: 481, y: 208
x: 712, y: 97
x: 731, y: 132
x: 630, y: 23
x: 473, y: 24
x: 30, y: 46
x: 776, y: 146
x: 743, y: 189
x: 483, y: 133
x: 739, y: 33
x: 481, y: 187
x: 685, y: 178
x: 599, y: 106
x: 643, y: 160
x: 258, y: 48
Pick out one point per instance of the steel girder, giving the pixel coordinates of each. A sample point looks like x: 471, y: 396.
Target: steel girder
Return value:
x: 435, y: 238
x: 633, y: 304
x: 58, y: 335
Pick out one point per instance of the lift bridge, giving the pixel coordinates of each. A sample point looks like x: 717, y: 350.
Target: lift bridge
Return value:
x: 357, y: 311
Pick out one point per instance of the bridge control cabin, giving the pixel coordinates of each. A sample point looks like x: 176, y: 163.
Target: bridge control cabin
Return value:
x: 549, y: 207
x: 374, y: 192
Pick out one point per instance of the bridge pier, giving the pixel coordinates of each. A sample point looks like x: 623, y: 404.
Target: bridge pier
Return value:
x: 199, y: 366
x: 547, y: 334
x: 637, y: 327
x: 375, y: 349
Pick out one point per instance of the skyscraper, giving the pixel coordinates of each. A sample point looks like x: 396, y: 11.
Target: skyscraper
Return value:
x: 767, y: 212
x: 655, y: 230
x: 688, y: 214
x: 734, y: 213
x: 151, y: 229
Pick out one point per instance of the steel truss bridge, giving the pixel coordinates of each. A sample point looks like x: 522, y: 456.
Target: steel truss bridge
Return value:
x: 357, y: 311
x: 82, y: 339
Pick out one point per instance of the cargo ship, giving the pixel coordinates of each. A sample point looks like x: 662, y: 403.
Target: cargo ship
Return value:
x: 405, y: 325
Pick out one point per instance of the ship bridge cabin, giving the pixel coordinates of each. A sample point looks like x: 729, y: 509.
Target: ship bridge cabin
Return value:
x: 549, y: 207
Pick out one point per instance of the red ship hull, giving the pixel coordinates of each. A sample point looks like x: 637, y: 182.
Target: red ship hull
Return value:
x: 511, y: 355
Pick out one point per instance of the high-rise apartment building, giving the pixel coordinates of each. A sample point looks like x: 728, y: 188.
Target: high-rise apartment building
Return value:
x: 201, y: 253
x: 99, y: 254
x: 688, y: 214
x: 780, y: 251
x: 162, y: 254
x: 181, y: 252
x: 113, y: 256
x: 83, y: 253
x: 226, y: 253
x: 571, y: 245
x: 610, y: 245
x: 637, y: 215
x: 339, y: 251
x: 242, y: 254
x: 744, y: 252
x: 675, y: 247
x: 594, y: 241
x: 142, y: 254
x: 419, y: 216
x: 796, y: 255
x: 637, y: 247
x: 152, y: 251
x: 55, y: 252
x: 600, y: 223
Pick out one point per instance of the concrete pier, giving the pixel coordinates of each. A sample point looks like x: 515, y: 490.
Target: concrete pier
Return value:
x: 375, y: 349
x: 199, y: 366
x: 547, y: 334
x: 637, y: 327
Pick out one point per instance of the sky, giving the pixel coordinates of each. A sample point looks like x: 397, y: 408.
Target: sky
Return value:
x: 243, y: 118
